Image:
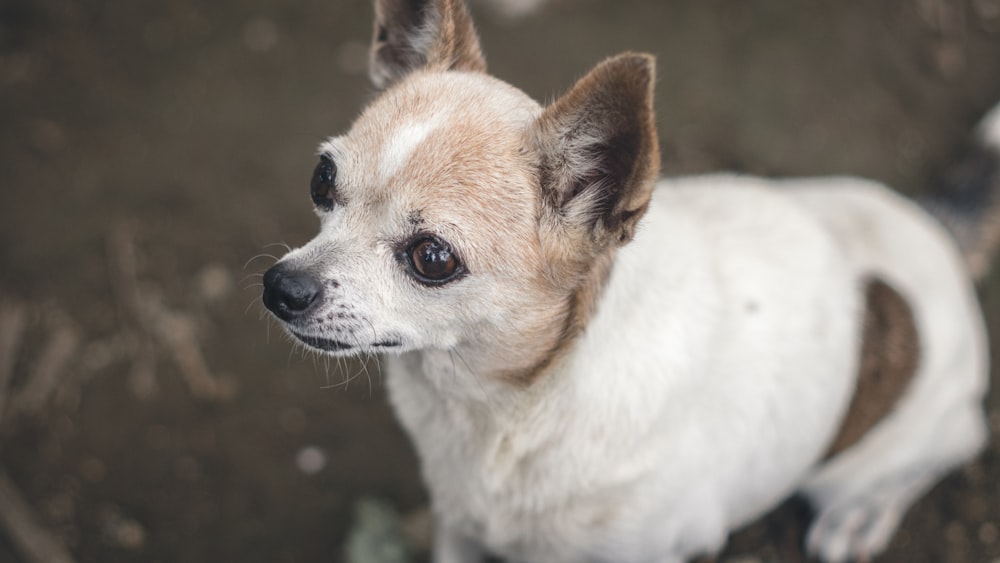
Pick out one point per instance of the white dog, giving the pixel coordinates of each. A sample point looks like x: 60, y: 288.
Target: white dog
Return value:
x: 597, y: 367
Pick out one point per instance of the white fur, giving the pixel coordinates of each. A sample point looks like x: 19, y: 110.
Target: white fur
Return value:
x: 989, y: 128
x: 708, y: 384
x: 402, y: 144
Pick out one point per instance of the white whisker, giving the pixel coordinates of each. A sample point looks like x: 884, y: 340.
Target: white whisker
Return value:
x: 281, y: 244
x: 258, y: 256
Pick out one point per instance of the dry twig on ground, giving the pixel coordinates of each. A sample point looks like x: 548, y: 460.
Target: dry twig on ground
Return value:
x: 50, y: 369
x: 34, y: 543
x: 12, y: 325
x: 153, y: 325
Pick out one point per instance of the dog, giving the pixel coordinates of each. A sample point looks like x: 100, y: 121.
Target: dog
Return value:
x: 599, y: 366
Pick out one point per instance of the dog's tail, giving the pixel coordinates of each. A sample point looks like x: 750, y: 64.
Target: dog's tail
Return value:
x: 969, y: 202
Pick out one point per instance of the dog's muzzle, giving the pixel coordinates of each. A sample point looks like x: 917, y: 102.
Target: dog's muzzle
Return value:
x: 290, y: 294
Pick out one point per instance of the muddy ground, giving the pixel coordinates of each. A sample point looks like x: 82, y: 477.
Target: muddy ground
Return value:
x: 155, y: 156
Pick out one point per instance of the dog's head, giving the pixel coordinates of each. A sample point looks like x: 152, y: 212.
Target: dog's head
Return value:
x: 456, y: 211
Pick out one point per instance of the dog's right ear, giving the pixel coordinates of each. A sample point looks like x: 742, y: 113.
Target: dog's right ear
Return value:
x: 413, y: 34
x: 599, y: 160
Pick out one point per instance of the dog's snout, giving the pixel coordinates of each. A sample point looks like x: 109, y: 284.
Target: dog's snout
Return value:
x: 289, y: 293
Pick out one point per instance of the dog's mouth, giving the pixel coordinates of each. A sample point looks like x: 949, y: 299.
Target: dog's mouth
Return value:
x: 331, y: 345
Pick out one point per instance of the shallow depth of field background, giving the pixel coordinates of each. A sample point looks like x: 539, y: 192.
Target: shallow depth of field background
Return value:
x: 153, y: 155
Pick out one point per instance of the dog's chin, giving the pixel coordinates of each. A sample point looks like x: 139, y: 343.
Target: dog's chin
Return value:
x: 341, y: 348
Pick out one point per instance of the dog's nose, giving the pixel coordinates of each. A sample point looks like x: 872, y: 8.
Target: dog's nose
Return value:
x: 289, y: 293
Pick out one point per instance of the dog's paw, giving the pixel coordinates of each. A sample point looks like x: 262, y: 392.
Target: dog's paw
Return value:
x: 854, y: 531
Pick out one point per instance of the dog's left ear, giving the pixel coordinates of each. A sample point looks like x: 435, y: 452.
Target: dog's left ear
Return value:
x: 413, y: 34
x: 599, y: 158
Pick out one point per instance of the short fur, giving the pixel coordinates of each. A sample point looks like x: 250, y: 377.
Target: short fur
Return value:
x: 890, y: 353
x: 617, y: 369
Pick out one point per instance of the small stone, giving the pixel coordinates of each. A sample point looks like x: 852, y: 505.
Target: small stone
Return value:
x: 310, y: 460
x: 214, y: 282
x: 118, y: 530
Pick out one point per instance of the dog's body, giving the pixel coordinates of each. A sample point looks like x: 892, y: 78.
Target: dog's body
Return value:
x: 576, y: 398
x: 660, y: 432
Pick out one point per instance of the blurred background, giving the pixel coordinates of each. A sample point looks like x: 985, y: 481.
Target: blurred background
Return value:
x: 155, y: 159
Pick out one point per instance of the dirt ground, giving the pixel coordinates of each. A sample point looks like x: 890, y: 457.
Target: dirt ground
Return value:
x: 155, y: 156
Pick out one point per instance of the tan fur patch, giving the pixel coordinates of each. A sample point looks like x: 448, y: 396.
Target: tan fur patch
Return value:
x: 889, y: 356
x: 580, y: 307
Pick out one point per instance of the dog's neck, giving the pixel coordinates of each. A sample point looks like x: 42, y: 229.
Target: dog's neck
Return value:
x: 528, y: 360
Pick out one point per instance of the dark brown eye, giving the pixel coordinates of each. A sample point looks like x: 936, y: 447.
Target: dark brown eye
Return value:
x: 322, y: 187
x: 432, y: 261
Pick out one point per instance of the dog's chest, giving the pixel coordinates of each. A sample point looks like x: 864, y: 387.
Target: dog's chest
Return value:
x: 517, y: 504
x: 511, y: 486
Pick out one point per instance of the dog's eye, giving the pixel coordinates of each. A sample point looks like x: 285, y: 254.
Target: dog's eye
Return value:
x: 322, y: 187
x: 432, y: 261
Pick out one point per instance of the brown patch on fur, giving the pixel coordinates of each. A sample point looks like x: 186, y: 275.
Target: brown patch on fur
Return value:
x: 581, y: 307
x: 414, y: 34
x: 889, y: 357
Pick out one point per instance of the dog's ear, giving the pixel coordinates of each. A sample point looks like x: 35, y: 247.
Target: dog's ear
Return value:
x: 413, y: 34
x: 599, y: 157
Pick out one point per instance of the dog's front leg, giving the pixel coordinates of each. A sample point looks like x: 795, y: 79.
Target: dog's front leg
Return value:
x: 453, y: 546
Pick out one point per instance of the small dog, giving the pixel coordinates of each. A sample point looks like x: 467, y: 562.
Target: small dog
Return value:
x: 598, y: 367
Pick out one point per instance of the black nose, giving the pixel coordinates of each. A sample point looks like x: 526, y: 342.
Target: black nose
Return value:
x: 289, y: 293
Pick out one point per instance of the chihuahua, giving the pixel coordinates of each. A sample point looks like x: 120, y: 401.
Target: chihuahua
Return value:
x: 597, y: 366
